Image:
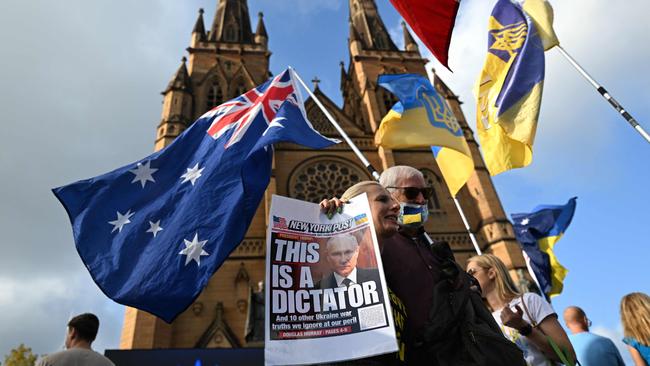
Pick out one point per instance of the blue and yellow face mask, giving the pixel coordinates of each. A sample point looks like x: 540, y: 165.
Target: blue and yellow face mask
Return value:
x: 412, y: 215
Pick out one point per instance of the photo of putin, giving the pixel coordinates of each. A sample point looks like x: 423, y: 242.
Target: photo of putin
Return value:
x: 341, y: 254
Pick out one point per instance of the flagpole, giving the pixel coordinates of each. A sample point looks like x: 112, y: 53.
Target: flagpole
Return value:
x: 458, y: 207
x: 532, y: 274
x: 347, y: 139
x: 469, y: 231
x: 613, y: 102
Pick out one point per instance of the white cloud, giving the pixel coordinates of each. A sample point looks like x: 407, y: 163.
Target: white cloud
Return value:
x: 34, y: 311
x: 609, y: 41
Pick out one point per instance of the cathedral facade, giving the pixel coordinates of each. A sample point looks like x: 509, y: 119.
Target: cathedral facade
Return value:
x: 228, y: 59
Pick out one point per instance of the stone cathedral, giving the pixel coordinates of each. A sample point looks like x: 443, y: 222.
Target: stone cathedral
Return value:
x: 227, y: 59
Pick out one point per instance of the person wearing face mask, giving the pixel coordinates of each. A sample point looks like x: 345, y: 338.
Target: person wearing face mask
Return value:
x: 410, y: 266
x: 445, y: 313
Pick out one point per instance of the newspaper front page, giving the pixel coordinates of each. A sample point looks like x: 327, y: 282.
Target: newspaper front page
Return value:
x: 326, y: 297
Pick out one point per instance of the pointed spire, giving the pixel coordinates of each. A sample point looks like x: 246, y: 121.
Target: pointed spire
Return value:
x: 368, y: 24
x: 261, y: 37
x: 344, y: 75
x: 261, y: 29
x: 409, y: 42
x: 198, y: 26
x: 181, y: 80
x: 231, y: 23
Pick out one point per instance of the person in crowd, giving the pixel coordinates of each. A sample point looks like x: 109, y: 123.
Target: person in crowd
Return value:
x: 385, y: 211
x: 635, y: 316
x: 341, y: 254
x: 410, y: 267
x: 526, y: 319
x: 414, y: 265
x: 82, y: 330
x: 591, y: 349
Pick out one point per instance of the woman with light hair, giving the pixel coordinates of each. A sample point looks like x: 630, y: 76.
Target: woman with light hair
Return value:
x: 526, y: 319
x: 385, y: 211
x: 635, y: 316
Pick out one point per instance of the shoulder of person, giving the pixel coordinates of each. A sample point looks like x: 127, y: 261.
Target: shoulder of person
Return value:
x: 537, y: 306
x: 49, y: 360
x: 535, y: 301
x: 630, y: 341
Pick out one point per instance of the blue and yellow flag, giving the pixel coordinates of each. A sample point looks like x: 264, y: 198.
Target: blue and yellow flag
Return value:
x: 423, y: 118
x: 537, y: 232
x: 509, y: 89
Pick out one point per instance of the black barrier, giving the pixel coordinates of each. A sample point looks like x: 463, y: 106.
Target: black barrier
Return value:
x: 187, y: 357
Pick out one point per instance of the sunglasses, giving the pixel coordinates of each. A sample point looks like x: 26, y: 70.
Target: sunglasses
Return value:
x: 412, y: 193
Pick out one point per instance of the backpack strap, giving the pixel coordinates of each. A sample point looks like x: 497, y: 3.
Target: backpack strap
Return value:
x: 533, y: 322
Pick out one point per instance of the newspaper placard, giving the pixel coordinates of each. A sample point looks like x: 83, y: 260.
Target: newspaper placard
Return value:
x: 326, y: 297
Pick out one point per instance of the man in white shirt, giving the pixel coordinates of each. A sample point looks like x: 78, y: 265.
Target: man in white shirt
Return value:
x: 82, y: 330
x: 342, y: 253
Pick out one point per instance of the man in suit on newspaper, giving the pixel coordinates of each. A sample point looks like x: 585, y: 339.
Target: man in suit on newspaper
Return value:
x: 341, y: 253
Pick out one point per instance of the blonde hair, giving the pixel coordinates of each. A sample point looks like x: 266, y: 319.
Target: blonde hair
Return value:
x: 359, y: 188
x: 506, y: 288
x: 635, y: 316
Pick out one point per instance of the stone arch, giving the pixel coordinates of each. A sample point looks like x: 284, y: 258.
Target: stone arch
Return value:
x: 214, y: 94
x: 239, y: 86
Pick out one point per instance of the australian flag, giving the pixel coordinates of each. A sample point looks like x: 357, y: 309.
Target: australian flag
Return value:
x: 538, y: 232
x: 152, y: 233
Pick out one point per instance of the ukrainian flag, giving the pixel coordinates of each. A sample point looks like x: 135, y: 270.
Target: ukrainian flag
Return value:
x: 423, y: 118
x: 538, y: 232
x: 509, y: 89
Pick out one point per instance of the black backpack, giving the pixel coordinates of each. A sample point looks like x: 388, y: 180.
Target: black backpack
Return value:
x: 461, y: 330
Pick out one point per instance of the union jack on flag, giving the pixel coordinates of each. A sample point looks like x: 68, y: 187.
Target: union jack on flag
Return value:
x: 238, y: 114
x: 153, y: 233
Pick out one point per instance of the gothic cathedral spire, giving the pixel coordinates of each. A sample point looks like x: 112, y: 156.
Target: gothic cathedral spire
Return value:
x: 368, y: 24
x: 232, y: 23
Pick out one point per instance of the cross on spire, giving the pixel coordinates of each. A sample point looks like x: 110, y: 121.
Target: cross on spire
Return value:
x: 315, y: 80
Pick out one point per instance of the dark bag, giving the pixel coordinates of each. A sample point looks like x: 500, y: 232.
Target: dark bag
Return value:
x: 460, y: 330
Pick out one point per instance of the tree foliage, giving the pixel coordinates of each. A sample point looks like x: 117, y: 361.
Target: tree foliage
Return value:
x: 20, y: 356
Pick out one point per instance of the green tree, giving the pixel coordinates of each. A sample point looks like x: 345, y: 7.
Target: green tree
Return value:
x: 20, y: 356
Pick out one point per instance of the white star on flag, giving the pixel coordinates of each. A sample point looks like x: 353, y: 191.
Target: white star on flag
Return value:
x: 194, y: 250
x: 143, y: 173
x: 525, y: 221
x: 154, y: 227
x: 192, y: 174
x: 121, y: 221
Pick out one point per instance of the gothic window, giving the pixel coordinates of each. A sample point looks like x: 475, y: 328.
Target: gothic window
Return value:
x: 380, y: 42
x: 215, y: 95
x: 324, y: 177
x: 388, y: 100
x: 240, y: 87
x: 230, y: 33
x: 432, y: 180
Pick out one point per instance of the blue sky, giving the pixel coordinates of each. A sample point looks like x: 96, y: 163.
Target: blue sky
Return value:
x: 81, y: 97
